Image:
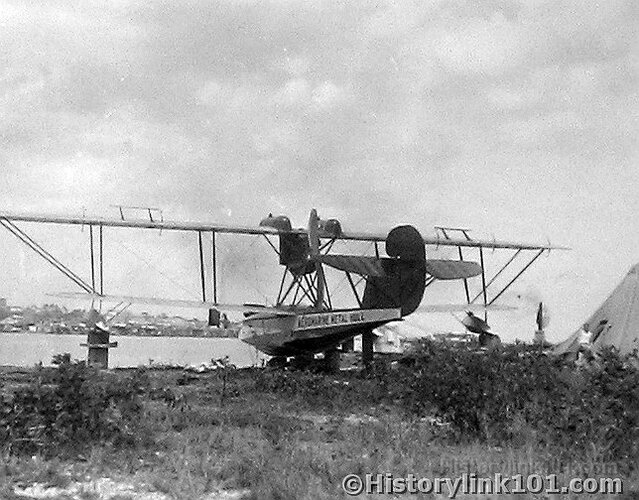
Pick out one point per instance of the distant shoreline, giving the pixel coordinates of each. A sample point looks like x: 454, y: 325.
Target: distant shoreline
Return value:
x: 119, y: 334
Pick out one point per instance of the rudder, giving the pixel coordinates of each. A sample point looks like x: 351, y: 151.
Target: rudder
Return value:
x: 405, y: 273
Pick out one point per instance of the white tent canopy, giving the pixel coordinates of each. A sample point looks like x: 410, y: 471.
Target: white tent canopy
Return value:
x: 615, y: 322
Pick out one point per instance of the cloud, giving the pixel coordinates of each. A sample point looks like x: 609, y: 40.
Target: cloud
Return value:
x: 294, y: 92
x: 218, y: 92
x: 511, y: 116
x: 328, y: 95
x: 482, y: 46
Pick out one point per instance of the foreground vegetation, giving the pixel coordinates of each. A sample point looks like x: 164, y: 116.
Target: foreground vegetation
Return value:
x: 280, y: 434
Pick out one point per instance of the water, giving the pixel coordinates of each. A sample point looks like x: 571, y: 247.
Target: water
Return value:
x: 28, y: 349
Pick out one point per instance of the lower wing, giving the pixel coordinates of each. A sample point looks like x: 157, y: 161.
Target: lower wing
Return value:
x: 195, y: 304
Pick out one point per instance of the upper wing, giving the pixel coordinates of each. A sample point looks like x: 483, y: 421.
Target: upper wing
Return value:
x: 266, y: 230
x: 140, y: 223
x: 457, y: 242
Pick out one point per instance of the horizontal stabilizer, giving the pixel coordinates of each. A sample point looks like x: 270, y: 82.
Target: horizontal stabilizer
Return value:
x: 452, y: 269
x: 372, y: 266
x: 362, y: 265
x: 195, y: 304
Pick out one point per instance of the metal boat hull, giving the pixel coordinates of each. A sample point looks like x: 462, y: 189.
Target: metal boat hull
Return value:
x: 311, y: 332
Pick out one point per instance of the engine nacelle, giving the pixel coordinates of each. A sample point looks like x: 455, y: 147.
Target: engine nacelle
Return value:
x: 279, y: 222
x: 330, y: 227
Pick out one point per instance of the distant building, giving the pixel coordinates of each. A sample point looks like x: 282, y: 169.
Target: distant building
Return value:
x: 13, y: 323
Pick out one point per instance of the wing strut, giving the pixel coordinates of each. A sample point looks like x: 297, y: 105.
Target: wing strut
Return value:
x: 459, y: 250
x: 491, y: 281
x: 484, y: 291
x: 518, y: 275
x: 272, y: 246
x: 485, y: 285
x: 461, y: 257
x: 101, y: 261
x: 483, y: 281
x: 314, y: 245
x: 37, y: 248
x: 92, y: 257
x: 354, y: 288
x: 203, y: 266
x: 214, y: 266
x: 202, y: 277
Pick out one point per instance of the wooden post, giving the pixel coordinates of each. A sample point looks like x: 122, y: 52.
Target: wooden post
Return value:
x: 367, y: 348
x: 214, y: 317
x: 99, y: 345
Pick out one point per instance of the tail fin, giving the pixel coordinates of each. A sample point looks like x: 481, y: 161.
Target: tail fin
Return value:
x: 405, y: 274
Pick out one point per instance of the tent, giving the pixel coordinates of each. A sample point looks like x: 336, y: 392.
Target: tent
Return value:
x: 614, y: 323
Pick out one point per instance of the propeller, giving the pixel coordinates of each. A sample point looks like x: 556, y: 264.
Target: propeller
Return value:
x: 475, y: 324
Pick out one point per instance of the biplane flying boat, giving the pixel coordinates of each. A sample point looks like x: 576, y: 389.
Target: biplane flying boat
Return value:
x: 302, y: 320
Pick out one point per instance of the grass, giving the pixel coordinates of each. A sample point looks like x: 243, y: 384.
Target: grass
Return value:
x: 286, y: 435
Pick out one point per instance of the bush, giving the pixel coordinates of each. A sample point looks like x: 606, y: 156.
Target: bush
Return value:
x: 315, y: 389
x: 599, y: 408
x: 344, y: 392
x: 500, y: 395
x: 78, y: 407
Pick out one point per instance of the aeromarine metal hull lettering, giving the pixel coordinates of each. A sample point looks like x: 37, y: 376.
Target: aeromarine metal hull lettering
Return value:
x: 311, y: 332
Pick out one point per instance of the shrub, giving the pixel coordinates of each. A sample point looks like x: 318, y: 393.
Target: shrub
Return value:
x: 79, y: 406
x: 500, y: 394
x: 339, y: 392
x: 599, y: 408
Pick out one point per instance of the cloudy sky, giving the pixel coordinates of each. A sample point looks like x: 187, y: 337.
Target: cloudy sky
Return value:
x: 516, y: 118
